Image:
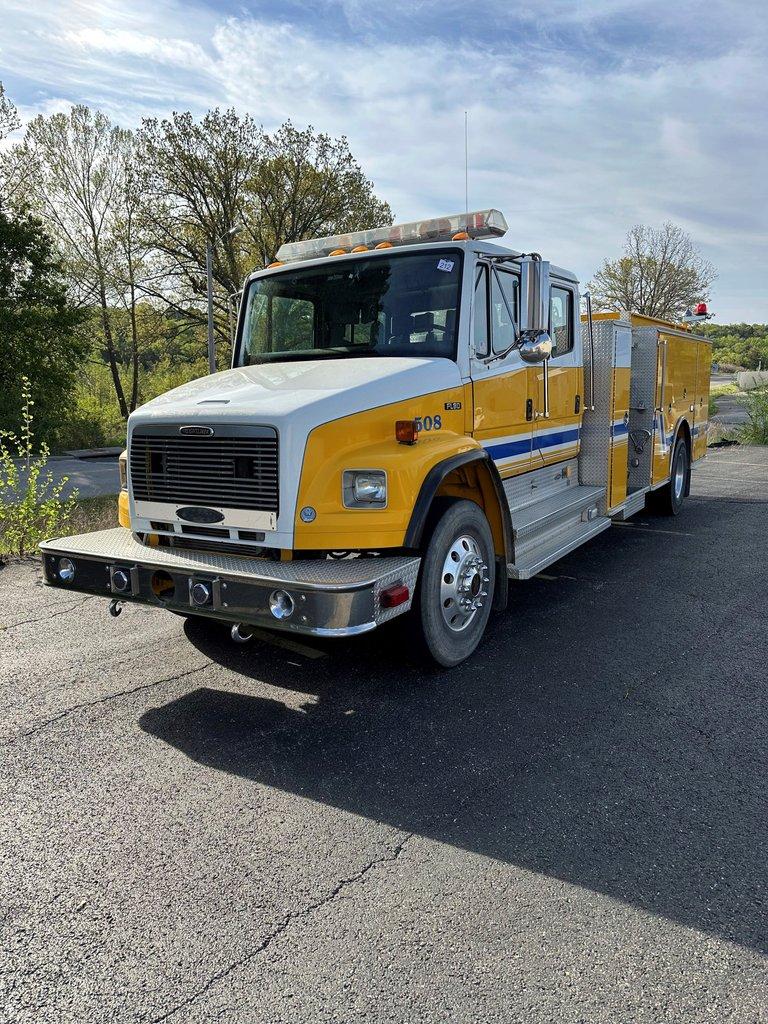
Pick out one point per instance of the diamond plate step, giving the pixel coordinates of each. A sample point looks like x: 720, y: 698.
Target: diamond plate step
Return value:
x: 535, y: 518
x: 556, y: 547
x: 635, y: 503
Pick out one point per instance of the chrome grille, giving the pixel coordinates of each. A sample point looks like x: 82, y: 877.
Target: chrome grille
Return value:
x: 236, y: 470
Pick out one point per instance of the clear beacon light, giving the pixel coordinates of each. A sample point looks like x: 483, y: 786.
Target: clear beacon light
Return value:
x: 457, y: 227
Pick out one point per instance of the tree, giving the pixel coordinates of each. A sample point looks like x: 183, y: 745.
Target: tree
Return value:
x: 41, y: 334
x: 196, y: 185
x: 739, y: 344
x: 11, y: 180
x: 9, y: 117
x: 309, y: 185
x: 204, y: 178
x: 660, y: 274
x: 74, y: 166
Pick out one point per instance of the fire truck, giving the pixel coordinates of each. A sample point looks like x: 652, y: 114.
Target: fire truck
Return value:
x: 414, y: 416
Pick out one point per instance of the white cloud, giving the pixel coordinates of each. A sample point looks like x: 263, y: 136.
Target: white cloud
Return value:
x: 584, y: 118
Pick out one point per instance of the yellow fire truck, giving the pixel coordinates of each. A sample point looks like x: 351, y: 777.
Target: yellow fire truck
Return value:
x: 414, y: 416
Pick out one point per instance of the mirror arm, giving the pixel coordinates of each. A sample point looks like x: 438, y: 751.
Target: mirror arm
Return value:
x: 502, y: 355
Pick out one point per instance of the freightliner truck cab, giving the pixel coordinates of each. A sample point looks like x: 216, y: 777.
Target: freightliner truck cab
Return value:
x: 414, y: 416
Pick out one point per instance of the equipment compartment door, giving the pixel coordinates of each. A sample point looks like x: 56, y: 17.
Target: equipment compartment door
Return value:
x: 619, y: 457
x: 556, y: 437
x: 701, y: 412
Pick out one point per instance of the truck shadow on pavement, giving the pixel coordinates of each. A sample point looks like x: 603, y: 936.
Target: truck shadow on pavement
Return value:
x: 603, y: 735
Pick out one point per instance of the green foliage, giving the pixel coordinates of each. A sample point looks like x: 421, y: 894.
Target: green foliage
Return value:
x: 41, y: 330
x: 31, y: 504
x: 742, y: 345
x: 93, y: 419
x: 756, y: 404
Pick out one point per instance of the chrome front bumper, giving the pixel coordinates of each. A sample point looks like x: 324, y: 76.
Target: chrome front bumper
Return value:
x: 331, y: 597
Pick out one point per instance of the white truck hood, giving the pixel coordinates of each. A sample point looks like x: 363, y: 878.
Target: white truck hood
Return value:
x: 294, y: 398
x: 308, y: 392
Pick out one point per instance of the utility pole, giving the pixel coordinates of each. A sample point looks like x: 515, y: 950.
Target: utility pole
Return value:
x: 209, y: 275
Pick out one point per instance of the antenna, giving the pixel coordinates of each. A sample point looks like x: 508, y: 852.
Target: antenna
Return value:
x: 466, y: 161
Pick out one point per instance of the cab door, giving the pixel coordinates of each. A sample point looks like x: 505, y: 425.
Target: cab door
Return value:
x: 503, y: 404
x: 556, y: 437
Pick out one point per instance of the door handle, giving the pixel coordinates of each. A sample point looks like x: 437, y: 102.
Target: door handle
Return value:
x: 529, y: 409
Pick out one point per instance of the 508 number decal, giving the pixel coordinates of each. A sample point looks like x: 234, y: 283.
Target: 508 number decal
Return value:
x: 429, y: 422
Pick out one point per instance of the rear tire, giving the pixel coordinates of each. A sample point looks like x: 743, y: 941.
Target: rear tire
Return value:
x: 458, y: 575
x: 669, y: 499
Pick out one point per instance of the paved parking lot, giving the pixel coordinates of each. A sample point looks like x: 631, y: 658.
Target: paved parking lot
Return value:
x: 571, y: 827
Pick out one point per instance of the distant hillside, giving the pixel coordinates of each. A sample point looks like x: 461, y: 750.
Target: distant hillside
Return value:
x: 739, y: 344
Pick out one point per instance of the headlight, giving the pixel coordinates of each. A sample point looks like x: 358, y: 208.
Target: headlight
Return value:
x: 122, y: 465
x: 365, y: 488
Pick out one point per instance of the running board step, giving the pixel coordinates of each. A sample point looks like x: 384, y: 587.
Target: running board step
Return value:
x: 635, y: 503
x: 535, y: 518
x: 535, y: 561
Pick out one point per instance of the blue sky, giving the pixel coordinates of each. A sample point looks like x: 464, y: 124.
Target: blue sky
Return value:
x: 584, y: 117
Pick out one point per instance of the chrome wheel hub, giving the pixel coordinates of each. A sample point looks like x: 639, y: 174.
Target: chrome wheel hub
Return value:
x: 464, y: 583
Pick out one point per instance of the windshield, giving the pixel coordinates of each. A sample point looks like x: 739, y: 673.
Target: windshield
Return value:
x: 403, y: 305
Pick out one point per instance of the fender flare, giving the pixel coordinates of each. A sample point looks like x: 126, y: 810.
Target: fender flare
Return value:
x: 429, y: 488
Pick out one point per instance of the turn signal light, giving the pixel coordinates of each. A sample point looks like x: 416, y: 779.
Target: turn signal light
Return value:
x: 394, y: 596
x: 406, y: 432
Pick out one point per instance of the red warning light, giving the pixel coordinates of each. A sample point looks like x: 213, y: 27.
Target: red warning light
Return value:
x: 701, y: 309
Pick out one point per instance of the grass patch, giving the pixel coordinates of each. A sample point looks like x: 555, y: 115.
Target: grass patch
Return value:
x: 87, y: 515
x: 756, y: 404
x: 723, y: 389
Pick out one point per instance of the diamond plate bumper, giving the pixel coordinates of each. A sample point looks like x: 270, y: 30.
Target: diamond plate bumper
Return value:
x: 331, y: 597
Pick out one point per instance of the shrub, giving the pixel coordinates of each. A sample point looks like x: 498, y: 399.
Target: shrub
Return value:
x: 756, y: 404
x: 32, y: 507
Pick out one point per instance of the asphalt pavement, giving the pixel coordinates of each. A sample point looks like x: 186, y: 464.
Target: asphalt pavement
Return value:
x: 91, y: 476
x: 571, y: 827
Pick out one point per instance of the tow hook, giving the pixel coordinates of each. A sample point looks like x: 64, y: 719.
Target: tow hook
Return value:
x: 241, y: 633
x: 115, y: 607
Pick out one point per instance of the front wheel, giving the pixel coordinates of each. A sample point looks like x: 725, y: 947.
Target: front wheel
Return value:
x: 670, y: 497
x: 457, y: 580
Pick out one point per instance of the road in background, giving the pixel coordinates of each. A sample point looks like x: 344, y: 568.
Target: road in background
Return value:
x: 92, y: 476
x: 570, y: 827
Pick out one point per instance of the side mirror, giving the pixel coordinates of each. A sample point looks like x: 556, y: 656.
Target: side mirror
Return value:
x: 535, y: 348
x: 534, y: 295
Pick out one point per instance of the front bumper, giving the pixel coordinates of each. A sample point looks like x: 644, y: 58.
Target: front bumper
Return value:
x: 331, y: 597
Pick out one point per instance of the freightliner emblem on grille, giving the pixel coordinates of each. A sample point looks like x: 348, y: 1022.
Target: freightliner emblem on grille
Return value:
x: 197, y: 431
x: 197, y: 514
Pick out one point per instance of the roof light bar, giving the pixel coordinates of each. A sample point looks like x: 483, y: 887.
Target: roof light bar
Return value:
x: 480, y: 224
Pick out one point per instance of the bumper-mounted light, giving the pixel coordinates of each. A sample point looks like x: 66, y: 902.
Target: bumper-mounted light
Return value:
x: 66, y: 570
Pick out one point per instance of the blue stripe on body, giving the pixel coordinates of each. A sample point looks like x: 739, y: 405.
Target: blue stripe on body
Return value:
x: 510, y: 448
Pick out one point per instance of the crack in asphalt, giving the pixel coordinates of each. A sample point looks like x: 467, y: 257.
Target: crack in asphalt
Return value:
x: 111, y: 696
x: 282, y: 926
x: 50, y: 615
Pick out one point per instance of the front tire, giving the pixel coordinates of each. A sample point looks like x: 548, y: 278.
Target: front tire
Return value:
x: 458, y: 575
x: 670, y: 497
